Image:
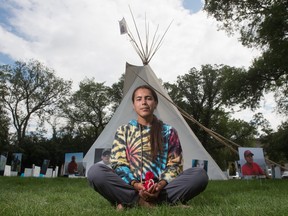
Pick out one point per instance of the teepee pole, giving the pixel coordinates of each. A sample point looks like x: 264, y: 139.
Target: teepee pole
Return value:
x: 144, y: 51
x: 139, y: 38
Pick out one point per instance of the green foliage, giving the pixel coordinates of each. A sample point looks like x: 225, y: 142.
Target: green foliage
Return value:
x: 199, y: 93
x: 66, y: 196
x: 116, y: 93
x: 4, y: 118
x: 276, y: 144
x: 4, y: 130
x: 87, y: 109
x: 34, y: 151
x: 31, y: 90
x: 262, y: 24
x: 203, y: 95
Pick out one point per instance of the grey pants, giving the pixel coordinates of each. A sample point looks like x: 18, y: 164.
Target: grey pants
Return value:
x: 184, y: 187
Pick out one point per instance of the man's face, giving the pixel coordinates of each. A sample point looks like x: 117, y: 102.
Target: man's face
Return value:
x: 144, y: 103
x: 200, y: 163
x: 249, y: 158
x: 106, y: 158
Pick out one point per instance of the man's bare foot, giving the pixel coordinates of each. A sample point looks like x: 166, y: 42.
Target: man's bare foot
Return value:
x: 144, y: 203
x: 120, y: 207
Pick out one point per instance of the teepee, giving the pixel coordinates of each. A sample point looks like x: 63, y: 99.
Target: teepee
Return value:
x: 166, y: 111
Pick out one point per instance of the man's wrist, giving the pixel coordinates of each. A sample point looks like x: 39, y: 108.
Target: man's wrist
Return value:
x: 133, y: 182
x: 162, y: 183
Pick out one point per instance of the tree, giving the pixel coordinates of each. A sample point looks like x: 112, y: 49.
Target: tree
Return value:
x: 240, y: 132
x: 4, y: 130
x: 88, y: 108
x: 276, y: 144
x: 4, y: 121
x: 116, y: 93
x: 262, y: 24
x: 202, y: 94
x: 31, y: 91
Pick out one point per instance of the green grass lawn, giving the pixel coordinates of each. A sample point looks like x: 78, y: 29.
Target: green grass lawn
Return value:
x: 67, y: 196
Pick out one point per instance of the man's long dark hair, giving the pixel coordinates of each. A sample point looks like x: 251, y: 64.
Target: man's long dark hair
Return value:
x: 156, y: 138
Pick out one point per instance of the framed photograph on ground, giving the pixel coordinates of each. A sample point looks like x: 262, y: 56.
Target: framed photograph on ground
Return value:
x: 3, y: 161
x: 16, y: 162
x: 252, y: 162
x: 233, y: 170
x: 44, y: 167
x: 74, y: 164
x: 200, y: 163
x: 98, y: 154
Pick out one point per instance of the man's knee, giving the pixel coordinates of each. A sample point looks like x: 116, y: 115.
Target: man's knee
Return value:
x: 198, y: 176
x: 96, y: 175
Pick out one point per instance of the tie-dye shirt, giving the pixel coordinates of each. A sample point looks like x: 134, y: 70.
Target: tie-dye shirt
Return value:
x: 131, y: 146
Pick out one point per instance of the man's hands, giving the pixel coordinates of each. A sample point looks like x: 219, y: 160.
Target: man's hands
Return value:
x: 138, y: 186
x: 152, y: 193
x: 160, y: 185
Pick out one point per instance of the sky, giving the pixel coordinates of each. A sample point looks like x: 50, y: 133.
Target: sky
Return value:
x: 81, y: 39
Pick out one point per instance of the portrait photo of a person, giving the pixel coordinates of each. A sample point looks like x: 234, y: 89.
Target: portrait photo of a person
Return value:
x: 16, y: 162
x: 252, y: 162
x: 200, y: 163
x: 105, y: 157
x: 250, y: 167
x: 73, y: 166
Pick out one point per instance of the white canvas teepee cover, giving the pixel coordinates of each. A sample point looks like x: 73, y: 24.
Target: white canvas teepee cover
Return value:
x: 192, y: 148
